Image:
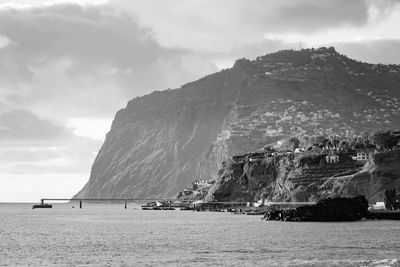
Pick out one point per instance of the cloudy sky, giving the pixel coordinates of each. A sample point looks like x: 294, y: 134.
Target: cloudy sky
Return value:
x: 66, y: 67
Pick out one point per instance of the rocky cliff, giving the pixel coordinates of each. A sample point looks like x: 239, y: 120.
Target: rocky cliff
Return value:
x: 306, y: 177
x: 380, y: 173
x: 162, y: 141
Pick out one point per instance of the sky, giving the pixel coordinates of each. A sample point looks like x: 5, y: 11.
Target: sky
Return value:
x: 66, y: 67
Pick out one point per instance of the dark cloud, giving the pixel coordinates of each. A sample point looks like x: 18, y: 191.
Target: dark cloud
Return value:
x: 90, y: 35
x: 24, y: 154
x: 23, y: 125
x: 31, y: 144
x: 94, y: 58
x: 310, y: 15
x: 13, y: 66
x: 75, y: 61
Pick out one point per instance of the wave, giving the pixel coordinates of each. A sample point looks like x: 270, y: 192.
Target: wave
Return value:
x: 359, y: 263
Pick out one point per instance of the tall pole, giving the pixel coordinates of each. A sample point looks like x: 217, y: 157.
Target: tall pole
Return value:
x: 80, y: 204
x: 126, y: 204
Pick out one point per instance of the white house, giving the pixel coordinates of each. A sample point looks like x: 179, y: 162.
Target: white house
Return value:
x: 201, y: 184
x: 332, y: 158
x: 362, y: 156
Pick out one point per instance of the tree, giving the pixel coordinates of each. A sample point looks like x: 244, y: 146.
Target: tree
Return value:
x: 343, y: 144
x: 390, y: 199
x: 335, y: 142
x: 319, y: 141
x: 383, y: 140
x: 269, y: 148
x: 358, y: 143
x: 294, y: 143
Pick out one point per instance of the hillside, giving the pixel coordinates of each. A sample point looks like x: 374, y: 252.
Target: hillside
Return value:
x: 306, y: 176
x: 162, y: 141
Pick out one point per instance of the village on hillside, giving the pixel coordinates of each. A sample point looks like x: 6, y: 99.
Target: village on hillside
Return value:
x: 359, y: 149
x: 253, y: 122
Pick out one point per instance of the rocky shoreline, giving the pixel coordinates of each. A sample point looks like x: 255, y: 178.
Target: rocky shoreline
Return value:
x: 326, y: 210
x: 315, y: 171
x: 336, y: 209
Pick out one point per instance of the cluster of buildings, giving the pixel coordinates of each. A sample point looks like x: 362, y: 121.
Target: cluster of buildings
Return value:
x: 301, y: 67
x: 198, y: 188
x: 251, y: 125
x: 360, y: 155
x: 332, y: 156
x: 283, y: 117
x: 378, y: 114
x: 257, y: 156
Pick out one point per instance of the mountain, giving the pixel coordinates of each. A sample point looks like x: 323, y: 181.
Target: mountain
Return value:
x: 162, y: 141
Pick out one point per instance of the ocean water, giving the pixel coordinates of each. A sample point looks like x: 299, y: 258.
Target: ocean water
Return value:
x: 109, y: 235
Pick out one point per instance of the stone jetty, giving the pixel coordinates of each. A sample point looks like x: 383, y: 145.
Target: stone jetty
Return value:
x: 326, y: 210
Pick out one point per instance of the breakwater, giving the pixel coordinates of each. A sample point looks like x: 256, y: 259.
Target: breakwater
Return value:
x: 330, y: 209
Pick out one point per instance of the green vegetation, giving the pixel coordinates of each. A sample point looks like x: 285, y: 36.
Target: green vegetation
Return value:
x: 381, y: 140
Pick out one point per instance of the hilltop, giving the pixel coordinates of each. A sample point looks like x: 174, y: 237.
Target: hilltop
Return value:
x: 162, y: 141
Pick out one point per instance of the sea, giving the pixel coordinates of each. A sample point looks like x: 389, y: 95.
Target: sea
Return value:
x: 109, y: 235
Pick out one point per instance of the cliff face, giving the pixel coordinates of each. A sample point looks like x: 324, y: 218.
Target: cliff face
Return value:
x: 161, y: 142
x: 306, y: 177
x: 382, y: 172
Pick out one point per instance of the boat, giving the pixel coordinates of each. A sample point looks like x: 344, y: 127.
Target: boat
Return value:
x: 186, y: 208
x: 166, y: 208
x: 42, y: 206
x: 255, y: 212
x: 150, y: 204
x: 158, y: 206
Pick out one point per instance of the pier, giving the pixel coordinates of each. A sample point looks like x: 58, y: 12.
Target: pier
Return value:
x: 208, y: 205
x: 106, y: 200
x: 236, y: 204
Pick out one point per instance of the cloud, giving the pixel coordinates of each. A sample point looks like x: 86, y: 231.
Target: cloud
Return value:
x: 32, y: 146
x: 28, y: 154
x: 68, y: 155
x: 13, y: 67
x: 70, y: 60
x: 308, y: 16
x: 33, y: 187
x: 94, y: 58
x: 222, y: 25
x: 23, y: 125
x: 4, y: 42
